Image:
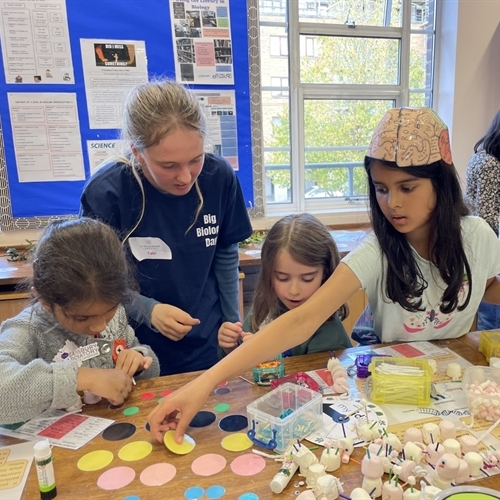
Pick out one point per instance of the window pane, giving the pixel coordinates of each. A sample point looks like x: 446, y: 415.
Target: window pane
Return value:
x: 345, y: 60
x: 278, y: 178
x: 275, y: 121
x: 421, y: 57
x: 274, y: 47
x: 273, y: 10
x: 355, y: 12
x: 337, y: 134
x: 422, y: 14
x: 419, y: 99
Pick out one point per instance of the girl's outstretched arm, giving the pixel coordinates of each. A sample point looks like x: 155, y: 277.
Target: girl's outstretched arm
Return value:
x: 285, y: 332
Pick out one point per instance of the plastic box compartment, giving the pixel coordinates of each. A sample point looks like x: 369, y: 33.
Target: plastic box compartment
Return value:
x: 285, y: 414
x: 489, y: 344
x: 482, y: 405
x: 401, y: 389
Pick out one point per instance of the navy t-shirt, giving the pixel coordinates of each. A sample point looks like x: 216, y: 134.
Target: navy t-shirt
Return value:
x: 187, y: 280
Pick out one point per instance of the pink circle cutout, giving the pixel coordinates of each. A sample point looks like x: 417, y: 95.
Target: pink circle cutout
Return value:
x: 157, y: 474
x: 208, y: 465
x: 116, y: 478
x: 147, y: 395
x: 248, y: 464
x: 166, y: 392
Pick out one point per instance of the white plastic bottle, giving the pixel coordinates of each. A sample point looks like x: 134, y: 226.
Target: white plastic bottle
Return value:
x: 283, y: 476
x: 45, y: 470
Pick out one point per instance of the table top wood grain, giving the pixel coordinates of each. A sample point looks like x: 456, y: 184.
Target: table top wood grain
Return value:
x: 73, y: 483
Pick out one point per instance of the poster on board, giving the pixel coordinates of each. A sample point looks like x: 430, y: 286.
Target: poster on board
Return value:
x: 46, y: 132
x: 201, y: 34
x: 35, y: 42
x: 220, y: 113
x: 111, y: 68
x: 100, y: 151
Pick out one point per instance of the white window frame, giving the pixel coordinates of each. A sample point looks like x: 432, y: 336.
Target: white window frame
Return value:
x: 346, y: 211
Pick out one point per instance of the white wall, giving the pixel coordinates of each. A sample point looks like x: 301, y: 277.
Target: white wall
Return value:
x: 468, y: 72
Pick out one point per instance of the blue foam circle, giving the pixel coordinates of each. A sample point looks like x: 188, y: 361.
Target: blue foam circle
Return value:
x: 194, y: 493
x: 215, y: 492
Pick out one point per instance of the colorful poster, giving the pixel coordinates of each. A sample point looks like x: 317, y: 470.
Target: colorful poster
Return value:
x: 46, y: 133
x: 35, y: 42
x: 111, y: 68
x: 202, y: 41
x: 220, y: 112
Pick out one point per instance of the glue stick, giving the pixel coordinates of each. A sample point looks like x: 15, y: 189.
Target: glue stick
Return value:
x: 283, y: 476
x: 45, y: 470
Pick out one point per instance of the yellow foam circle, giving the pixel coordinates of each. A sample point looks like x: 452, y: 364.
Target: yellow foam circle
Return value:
x: 184, y: 448
x: 95, y: 460
x: 236, y: 442
x: 136, y: 450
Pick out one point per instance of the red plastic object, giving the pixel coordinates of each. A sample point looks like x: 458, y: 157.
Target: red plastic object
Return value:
x: 299, y: 378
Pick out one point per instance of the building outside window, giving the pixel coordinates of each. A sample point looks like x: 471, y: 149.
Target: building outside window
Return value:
x: 345, y: 64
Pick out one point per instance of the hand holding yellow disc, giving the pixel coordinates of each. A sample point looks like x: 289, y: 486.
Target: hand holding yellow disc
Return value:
x: 184, y: 448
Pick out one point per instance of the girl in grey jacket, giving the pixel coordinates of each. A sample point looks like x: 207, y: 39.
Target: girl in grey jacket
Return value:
x: 75, y: 336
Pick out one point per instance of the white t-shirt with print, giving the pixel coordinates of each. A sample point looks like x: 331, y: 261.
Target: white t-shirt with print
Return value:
x: 392, y: 322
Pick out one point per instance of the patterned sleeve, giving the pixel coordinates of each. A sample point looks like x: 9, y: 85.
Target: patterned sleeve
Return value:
x: 483, y: 188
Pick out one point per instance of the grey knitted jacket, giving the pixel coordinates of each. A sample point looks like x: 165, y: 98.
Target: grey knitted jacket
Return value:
x: 37, y: 370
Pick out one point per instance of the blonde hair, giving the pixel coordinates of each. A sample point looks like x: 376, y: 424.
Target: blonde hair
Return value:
x: 151, y: 112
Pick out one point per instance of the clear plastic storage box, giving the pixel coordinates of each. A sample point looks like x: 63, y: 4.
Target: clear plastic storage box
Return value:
x: 285, y: 414
x: 396, y: 388
x: 489, y: 344
x: 482, y: 386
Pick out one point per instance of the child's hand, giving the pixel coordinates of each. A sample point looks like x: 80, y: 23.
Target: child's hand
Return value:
x: 114, y: 385
x: 172, y: 322
x: 131, y: 361
x: 245, y: 336
x: 229, y: 335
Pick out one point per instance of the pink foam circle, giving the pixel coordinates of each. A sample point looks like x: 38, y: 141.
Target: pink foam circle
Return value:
x: 248, y: 464
x: 116, y: 478
x: 208, y: 465
x: 157, y: 474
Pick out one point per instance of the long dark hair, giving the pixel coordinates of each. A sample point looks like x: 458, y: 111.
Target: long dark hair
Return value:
x: 309, y: 242
x: 490, y: 143
x: 79, y: 261
x: 405, y: 282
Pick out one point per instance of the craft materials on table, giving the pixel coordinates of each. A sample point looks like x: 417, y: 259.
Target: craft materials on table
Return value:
x: 285, y: 414
x: 45, y: 470
x: 68, y: 430
x: 400, y: 380
x: 270, y: 370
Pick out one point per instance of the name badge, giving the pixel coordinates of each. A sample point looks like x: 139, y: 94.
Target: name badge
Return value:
x: 149, y: 248
x: 80, y: 354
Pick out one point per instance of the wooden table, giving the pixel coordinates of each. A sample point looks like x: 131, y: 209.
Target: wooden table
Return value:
x: 346, y: 240
x: 73, y: 483
x: 11, y: 274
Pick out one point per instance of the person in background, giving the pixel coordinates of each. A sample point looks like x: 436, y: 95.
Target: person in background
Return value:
x: 180, y: 213
x: 298, y: 256
x: 425, y: 268
x: 483, y: 195
x: 76, y: 329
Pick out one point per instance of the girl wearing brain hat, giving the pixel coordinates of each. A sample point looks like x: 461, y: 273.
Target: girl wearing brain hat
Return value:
x: 425, y: 268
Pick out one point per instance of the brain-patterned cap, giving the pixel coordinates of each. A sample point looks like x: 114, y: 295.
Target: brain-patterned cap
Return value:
x: 411, y: 137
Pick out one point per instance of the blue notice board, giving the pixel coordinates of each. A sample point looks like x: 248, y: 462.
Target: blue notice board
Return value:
x: 148, y: 21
